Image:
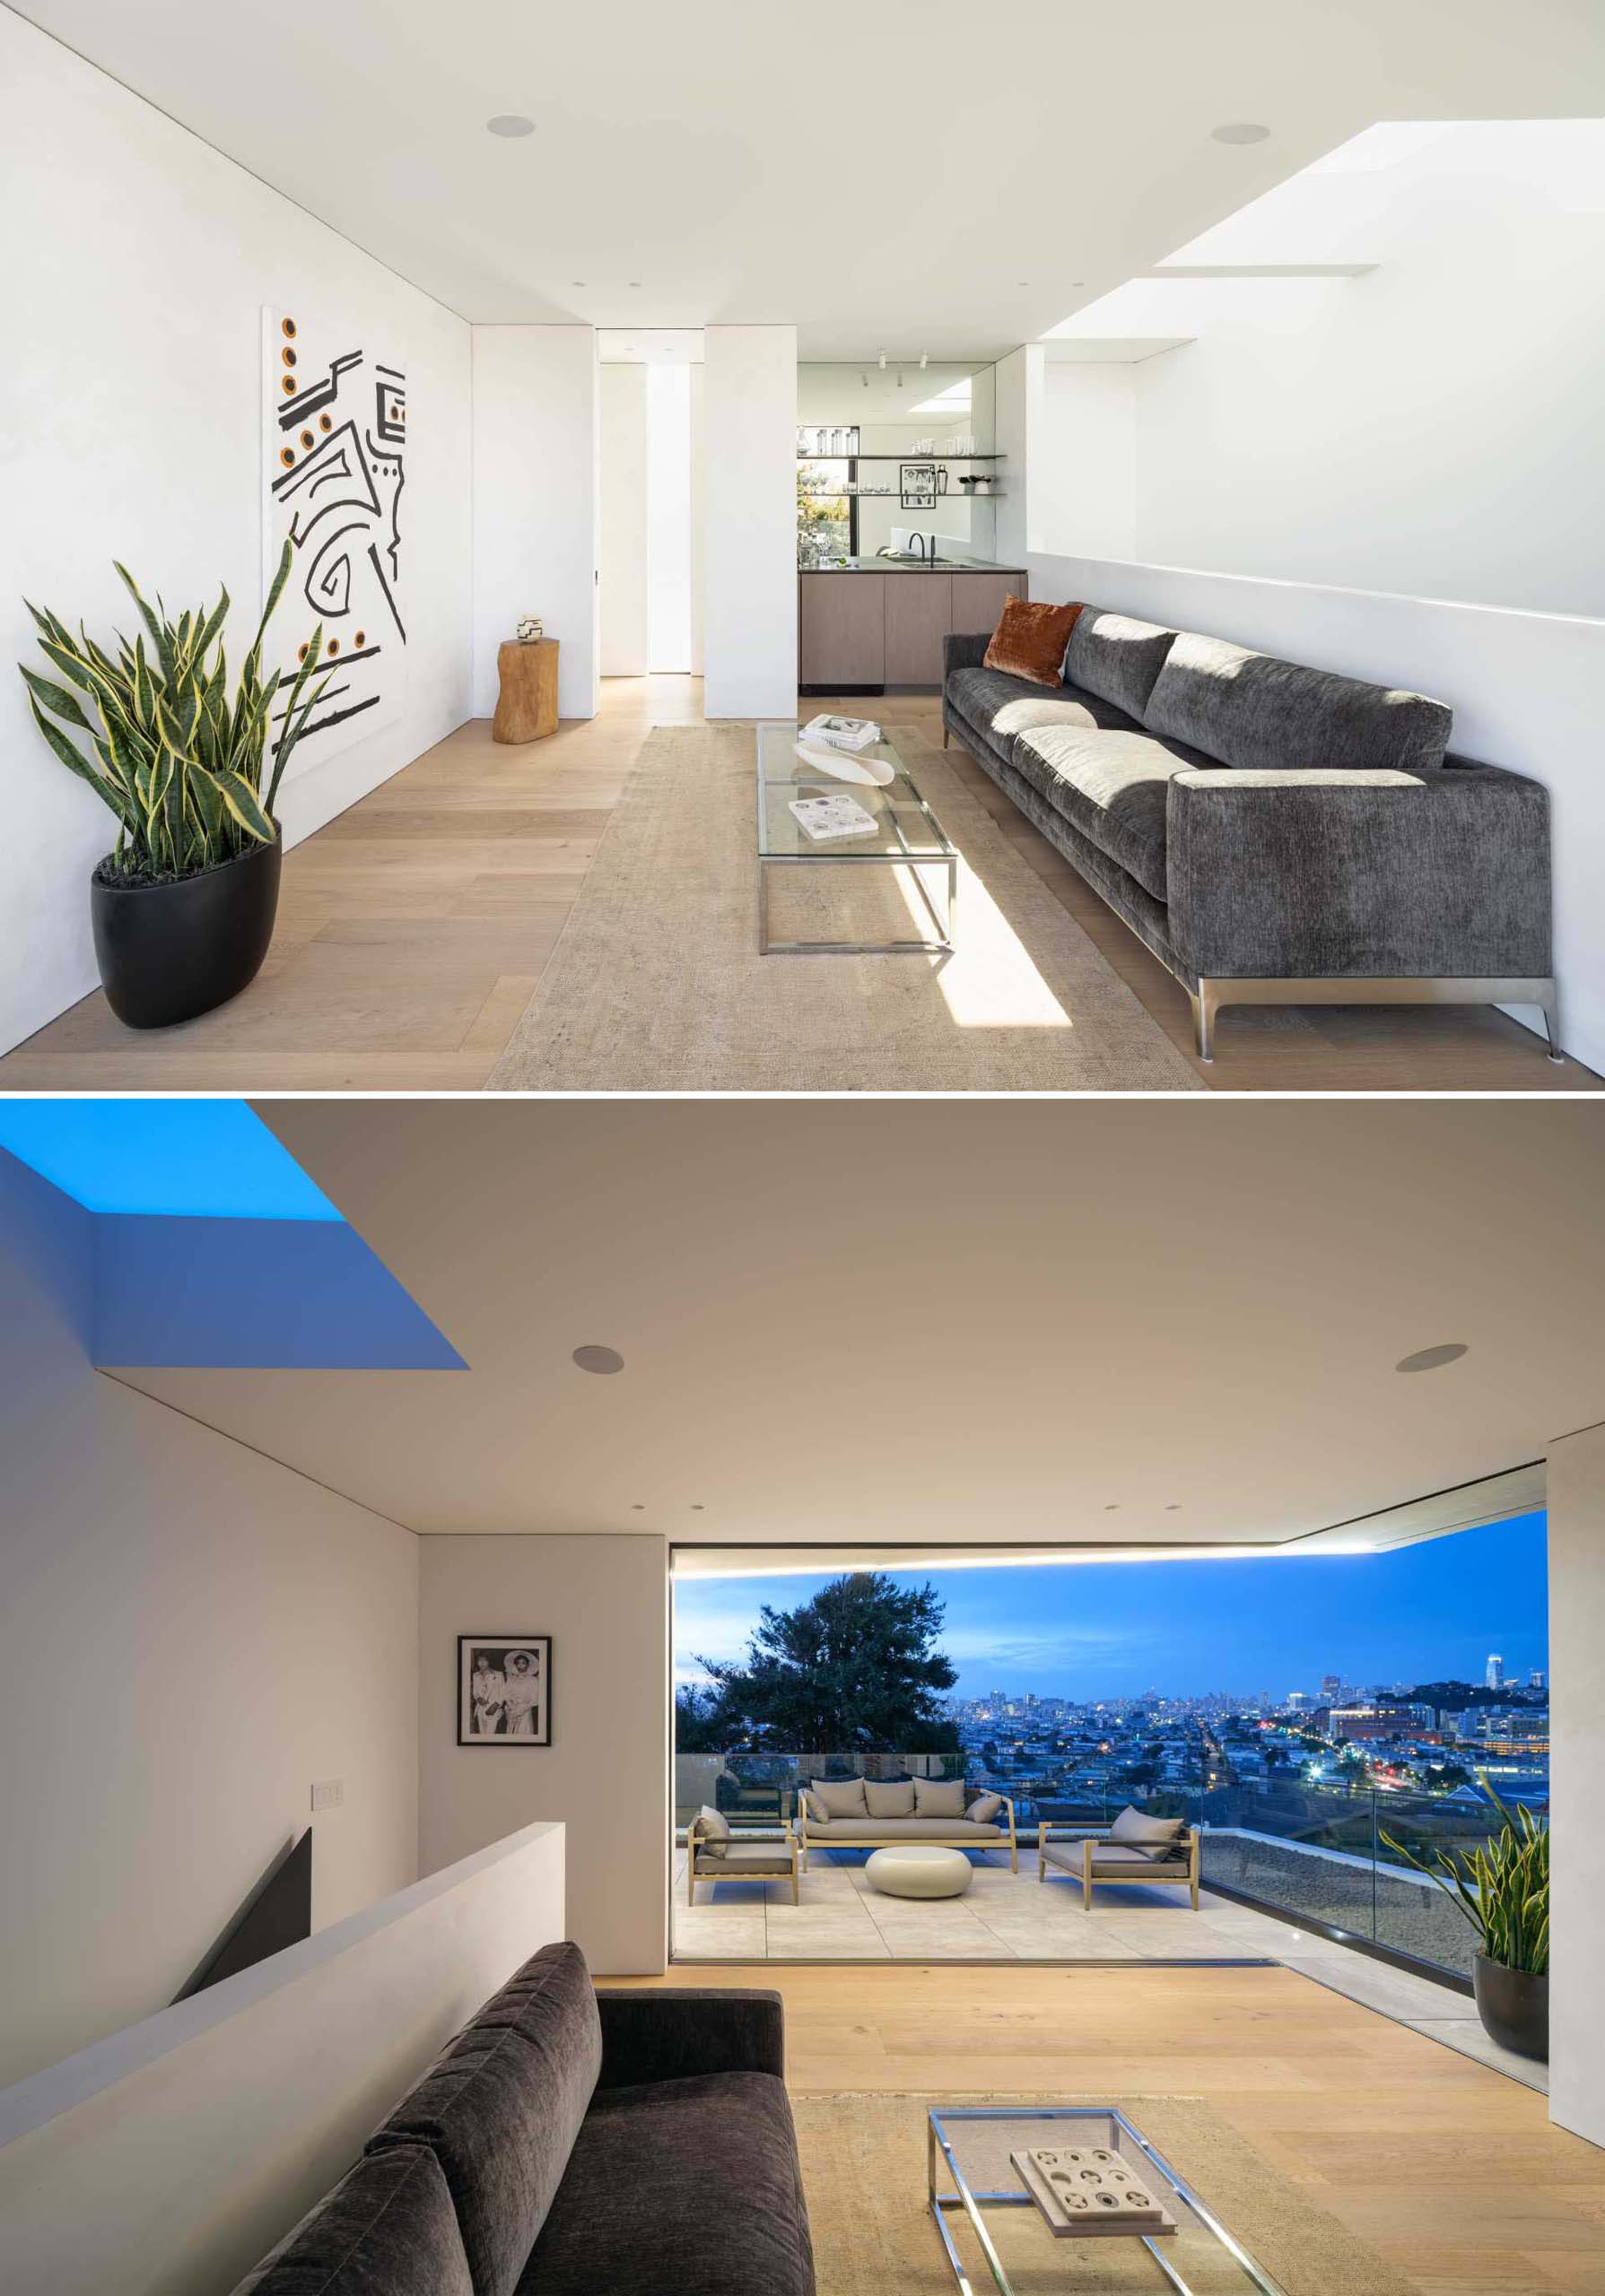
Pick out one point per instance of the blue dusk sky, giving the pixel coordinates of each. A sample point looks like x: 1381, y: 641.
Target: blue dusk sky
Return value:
x: 1429, y: 1612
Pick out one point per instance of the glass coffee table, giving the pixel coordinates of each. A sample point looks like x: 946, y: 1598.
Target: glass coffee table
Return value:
x: 981, y: 2204
x: 905, y: 834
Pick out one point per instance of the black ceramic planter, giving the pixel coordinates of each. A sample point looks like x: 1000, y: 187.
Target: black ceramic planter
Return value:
x: 1514, y: 2008
x: 169, y: 952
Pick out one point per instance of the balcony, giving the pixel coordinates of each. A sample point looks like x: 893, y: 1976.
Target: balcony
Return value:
x: 1291, y: 1874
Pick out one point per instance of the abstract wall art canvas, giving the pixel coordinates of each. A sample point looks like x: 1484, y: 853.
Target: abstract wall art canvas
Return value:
x: 335, y: 473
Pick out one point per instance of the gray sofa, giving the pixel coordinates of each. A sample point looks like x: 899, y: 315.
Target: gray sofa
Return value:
x: 571, y: 2141
x: 875, y: 1814
x: 1274, y: 834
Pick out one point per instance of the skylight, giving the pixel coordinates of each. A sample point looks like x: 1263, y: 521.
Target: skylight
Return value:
x: 183, y: 1159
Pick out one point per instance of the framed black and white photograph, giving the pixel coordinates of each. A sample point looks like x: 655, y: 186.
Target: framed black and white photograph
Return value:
x: 503, y: 1690
x: 917, y: 484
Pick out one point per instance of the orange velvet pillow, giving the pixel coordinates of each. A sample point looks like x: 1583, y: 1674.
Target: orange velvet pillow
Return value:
x: 1029, y: 640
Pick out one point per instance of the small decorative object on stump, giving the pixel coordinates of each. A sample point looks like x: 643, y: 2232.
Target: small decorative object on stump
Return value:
x: 527, y: 704
x: 530, y: 629
x: 1084, y: 2189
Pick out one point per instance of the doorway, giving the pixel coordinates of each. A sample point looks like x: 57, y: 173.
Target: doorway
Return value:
x: 650, y: 455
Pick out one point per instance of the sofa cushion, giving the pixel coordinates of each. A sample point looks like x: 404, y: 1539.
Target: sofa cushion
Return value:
x: 1024, y: 716
x: 940, y: 1797
x: 1154, y: 1837
x: 843, y: 1797
x: 1117, y: 1859
x: 502, y: 2106
x: 1254, y: 711
x: 1112, y: 786
x: 1116, y: 658
x: 890, y: 1801
x: 1030, y: 639
x: 713, y: 1832
x: 747, y: 1857
x: 980, y: 698
x: 687, y: 2187
x: 812, y: 1805
x: 985, y: 1808
x: 958, y: 1831
x: 388, y: 2229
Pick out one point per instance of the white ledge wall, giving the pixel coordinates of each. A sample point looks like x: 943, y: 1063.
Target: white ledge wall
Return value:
x: 748, y: 554
x: 1524, y: 688
x: 131, y: 428
x: 166, y: 2160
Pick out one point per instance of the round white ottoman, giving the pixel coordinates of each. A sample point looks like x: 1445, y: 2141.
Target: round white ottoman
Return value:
x: 918, y: 1871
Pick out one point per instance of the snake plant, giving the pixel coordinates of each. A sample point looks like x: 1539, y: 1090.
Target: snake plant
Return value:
x: 1503, y: 1888
x: 177, y: 758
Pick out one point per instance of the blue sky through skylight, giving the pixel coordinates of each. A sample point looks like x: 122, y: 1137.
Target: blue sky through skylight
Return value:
x: 184, y: 1158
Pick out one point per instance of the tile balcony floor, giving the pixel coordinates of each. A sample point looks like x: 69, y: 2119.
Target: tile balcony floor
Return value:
x: 1005, y: 1917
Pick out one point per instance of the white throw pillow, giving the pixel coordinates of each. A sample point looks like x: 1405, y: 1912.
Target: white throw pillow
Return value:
x: 985, y: 1808
x: 713, y: 1832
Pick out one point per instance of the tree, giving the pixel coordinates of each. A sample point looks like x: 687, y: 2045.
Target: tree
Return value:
x: 698, y: 1729
x: 855, y: 1670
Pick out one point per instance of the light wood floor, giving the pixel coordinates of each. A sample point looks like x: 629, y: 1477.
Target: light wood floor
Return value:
x: 412, y: 931
x: 1451, y: 2171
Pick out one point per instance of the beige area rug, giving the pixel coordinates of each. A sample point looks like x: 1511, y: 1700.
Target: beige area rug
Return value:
x: 657, y: 985
x: 863, y: 2160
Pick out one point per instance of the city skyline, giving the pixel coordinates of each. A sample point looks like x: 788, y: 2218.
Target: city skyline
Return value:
x: 1432, y: 1612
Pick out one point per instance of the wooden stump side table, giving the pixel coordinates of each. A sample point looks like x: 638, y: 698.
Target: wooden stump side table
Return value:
x: 527, y: 702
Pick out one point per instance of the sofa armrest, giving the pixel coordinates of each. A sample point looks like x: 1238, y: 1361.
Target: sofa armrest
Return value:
x: 670, y: 2032
x: 1284, y: 875
x: 962, y: 651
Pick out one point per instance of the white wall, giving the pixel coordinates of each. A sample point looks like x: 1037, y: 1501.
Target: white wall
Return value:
x: 622, y: 447
x: 1524, y: 689
x: 749, y: 530
x: 668, y: 546
x: 1576, y: 1504
x: 191, y: 1635
x: 1018, y: 383
x: 168, y: 2160
x: 1083, y: 471
x: 536, y: 513
x: 131, y: 427
x: 604, y: 1600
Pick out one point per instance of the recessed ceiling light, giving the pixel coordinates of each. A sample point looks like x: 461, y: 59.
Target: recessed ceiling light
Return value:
x: 1240, y: 131
x: 511, y: 123
x: 639, y: 1507
x: 1431, y: 1359
x: 1022, y: 283
x: 635, y: 283
x: 697, y: 1506
x: 576, y: 283
x: 1174, y: 1507
x: 1113, y: 1507
x: 598, y: 1359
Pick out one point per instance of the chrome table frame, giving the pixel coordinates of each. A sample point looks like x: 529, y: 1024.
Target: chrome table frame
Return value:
x: 970, y: 2202
x: 828, y: 854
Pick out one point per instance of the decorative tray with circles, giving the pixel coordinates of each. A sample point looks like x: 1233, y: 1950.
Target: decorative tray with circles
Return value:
x: 1083, y: 2190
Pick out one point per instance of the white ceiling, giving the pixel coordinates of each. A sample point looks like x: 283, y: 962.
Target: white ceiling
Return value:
x: 968, y: 1322
x: 901, y: 173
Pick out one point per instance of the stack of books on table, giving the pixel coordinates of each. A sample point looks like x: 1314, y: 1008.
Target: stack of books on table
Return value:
x: 827, y: 818
x: 851, y: 734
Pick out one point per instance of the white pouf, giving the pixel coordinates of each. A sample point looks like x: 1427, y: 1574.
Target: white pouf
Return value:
x: 918, y: 1871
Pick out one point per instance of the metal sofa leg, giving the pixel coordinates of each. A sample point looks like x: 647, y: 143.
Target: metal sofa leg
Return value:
x: 944, y: 732
x: 1550, y: 1007
x: 1203, y: 1021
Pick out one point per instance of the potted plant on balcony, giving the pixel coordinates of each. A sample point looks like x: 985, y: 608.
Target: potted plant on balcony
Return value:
x: 1503, y: 1889
x: 183, y: 906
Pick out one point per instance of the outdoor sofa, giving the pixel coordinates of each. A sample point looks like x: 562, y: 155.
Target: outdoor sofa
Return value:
x: 872, y: 1813
x: 573, y: 2144
x: 1136, y: 1848
x: 1274, y: 834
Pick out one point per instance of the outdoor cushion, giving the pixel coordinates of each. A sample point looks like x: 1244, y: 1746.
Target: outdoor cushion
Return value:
x: 940, y: 1797
x: 690, y: 2184
x: 880, y: 1829
x: 985, y: 1808
x: 812, y: 1805
x: 713, y: 1832
x: 1116, y: 658
x: 896, y: 1801
x: 749, y: 1857
x: 1137, y: 1862
x: 1112, y: 786
x: 387, y: 2230
x: 1136, y: 1828
x: 502, y: 2106
x: 842, y: 1797
x: 1255, y: 712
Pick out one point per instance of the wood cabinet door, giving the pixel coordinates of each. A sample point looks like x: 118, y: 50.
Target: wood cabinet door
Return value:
x: 919, y: 616
x: 978, y: 598
x: 841, y: 630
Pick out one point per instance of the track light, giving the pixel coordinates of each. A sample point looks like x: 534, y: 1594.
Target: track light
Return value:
x: 883, y: 362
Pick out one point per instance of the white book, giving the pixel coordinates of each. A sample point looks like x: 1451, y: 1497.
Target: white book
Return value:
x: 843, y: 732
x: 827, y: 818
